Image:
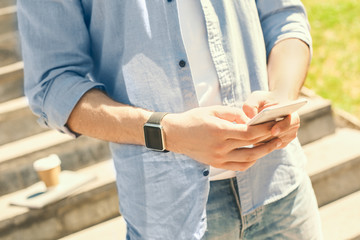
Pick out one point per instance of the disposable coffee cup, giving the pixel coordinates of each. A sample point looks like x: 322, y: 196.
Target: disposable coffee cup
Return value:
x: 48, y: 170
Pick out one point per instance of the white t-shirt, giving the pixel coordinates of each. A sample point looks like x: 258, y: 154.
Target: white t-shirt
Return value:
x: 194, y: 35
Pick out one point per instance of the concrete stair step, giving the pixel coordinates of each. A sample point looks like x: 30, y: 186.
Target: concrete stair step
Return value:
x: 93, y: 203
x: 17, y: 121
x: 341, y: 219
x: 11, y: 81
x: 334, y: 165
x: 7, y: 3
x: 114, y: 229
x: 316, y: 120
x: 7, y: 17
x: 9, y: 47
x: 16, y: 158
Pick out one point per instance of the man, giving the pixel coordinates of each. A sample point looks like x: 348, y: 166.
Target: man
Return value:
x: 174, y: 75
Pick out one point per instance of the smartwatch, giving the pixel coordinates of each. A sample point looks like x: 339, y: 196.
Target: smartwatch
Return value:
x: 153, y: 132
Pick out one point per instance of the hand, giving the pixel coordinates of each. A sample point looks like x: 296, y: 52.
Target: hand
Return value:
x: 215, y: 136
x: 285, y: 129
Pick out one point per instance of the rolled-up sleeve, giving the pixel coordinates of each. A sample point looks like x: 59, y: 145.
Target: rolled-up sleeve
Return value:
x: 282, y: 19
x: 55, y: 46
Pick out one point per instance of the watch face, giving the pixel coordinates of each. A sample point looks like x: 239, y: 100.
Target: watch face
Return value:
x: 153, y: 137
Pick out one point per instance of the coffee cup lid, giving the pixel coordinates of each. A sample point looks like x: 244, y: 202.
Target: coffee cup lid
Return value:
x: 47, y: 163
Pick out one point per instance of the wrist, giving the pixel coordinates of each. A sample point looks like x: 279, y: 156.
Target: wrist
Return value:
x: 128, y: 125
x: 168, y: 124
x: 283, y: 94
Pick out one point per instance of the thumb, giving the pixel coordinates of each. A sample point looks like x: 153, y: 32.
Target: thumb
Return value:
x: 231, y: 114
x: 250, y: 110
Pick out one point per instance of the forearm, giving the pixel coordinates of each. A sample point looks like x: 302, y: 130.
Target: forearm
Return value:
x: 96, y: 115
x: 288, y: 64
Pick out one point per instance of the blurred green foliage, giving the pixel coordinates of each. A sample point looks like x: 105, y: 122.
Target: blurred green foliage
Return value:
x: 335, y: 68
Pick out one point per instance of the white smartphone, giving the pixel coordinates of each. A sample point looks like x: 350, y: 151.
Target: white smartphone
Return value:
x: 277, y: 112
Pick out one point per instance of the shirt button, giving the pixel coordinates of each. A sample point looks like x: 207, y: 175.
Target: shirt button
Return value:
x: 206, y: 172
x: 169, y: 0
x: 182, y: 63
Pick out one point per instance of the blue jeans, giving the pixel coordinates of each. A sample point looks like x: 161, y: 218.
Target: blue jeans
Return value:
x: 295, y: 216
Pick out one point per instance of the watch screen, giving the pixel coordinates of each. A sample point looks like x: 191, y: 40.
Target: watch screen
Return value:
x: 153, y: 137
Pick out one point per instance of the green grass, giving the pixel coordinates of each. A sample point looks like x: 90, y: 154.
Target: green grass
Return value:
x: 335, y: 69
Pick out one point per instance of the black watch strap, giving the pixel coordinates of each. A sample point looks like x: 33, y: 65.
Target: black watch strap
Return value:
x: 156, y: 117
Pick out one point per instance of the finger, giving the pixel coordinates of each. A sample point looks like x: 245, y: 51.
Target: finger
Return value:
x: 233, y: 144
x: 242, y: 159
x: 288, y: 137
x: 252, y: 154
x: 249, y: 133
x: 238, y: 166
x: 268, y: 139
x: 288, y: 123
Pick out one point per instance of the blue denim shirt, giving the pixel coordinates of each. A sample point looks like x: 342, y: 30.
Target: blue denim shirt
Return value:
x: 131, y: 49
